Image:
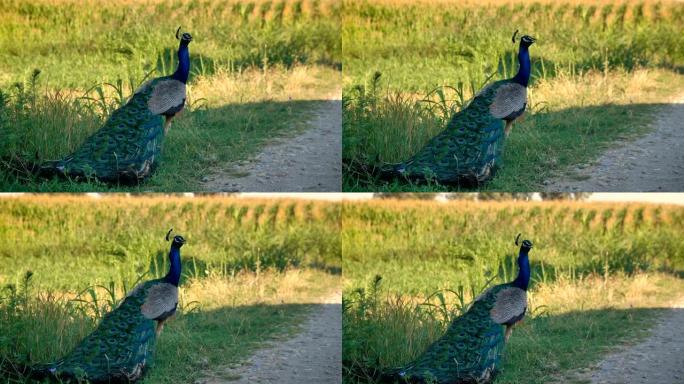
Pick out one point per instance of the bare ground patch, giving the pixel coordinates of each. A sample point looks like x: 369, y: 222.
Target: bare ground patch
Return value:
x: 659, y: 359
x: 312, y: 356
x: 308, y: 162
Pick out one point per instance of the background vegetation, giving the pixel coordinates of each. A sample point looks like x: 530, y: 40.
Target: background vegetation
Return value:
x: 251, y: 269
x: 599, y: 274
x: 257, y: 69
x: 409, y: 66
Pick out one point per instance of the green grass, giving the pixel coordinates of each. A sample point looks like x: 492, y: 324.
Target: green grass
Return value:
x: 600, y: 274
x: 409, y: 67
x: 78, y: 43
x: 280, y: 58
x: 252, y: 269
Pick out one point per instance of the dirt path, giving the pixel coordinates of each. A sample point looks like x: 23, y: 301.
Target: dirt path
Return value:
x: 309, y: 162
x: 653, y: 163
x: 657, y: 360
x: 313, y: 356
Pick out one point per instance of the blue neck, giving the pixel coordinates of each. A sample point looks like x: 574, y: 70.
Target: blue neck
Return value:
x: 523, y: 279
x: 183, y: 70
x: 173, y: 277
x: 523, y: 75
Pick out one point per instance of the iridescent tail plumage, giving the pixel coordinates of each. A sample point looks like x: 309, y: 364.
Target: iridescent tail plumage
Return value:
x: 468, y: 353
x: 125, y: 150
x: 119, y: 351
x: 468, y: 152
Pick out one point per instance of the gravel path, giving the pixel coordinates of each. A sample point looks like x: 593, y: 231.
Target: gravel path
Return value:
x: 314, y: 356
x: 309, y: 162
x: 657, y: 360
x: 653, y: 163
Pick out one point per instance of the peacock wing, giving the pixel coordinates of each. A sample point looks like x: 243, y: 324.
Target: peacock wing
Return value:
x: 509, y: 306
x: 119, y: 349
x: 168, y: 96
x: 510, y: 99
x: 161, y: 301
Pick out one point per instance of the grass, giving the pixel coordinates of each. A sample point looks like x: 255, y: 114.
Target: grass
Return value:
x: 252, y: 269
x: 600, y: 275
x: 409, y: 67
x: 257, y: 70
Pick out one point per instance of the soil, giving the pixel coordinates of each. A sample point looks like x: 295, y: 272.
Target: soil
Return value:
x: 309, y: 162
x: 657, y: 360
x: 652, y: 163
x: 313, y: 356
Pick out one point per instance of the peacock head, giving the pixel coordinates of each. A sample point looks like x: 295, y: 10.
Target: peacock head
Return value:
x: 525, y: 40
x: 525, y: 246
x: 178, y: 240
x: 185, y: 38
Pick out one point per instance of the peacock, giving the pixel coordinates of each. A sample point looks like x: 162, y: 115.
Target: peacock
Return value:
x: 468, y: 151
x: 470, y: 350
x: 122, y: 346
x: 126, y: 149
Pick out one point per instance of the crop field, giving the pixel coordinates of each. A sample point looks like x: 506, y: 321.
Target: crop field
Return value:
x: 408, y: 66
x: 251, y: 271
x: 257, y: 68
x: 600, y: 273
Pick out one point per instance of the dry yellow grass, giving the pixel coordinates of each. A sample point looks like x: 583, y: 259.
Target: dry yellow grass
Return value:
x: 273, y: 84
x: 144, y: 202
x: 472, y: 206
x: 476, y: 3
x: 219, y: 8
x: 611, y: 87
x: 608, y: 292
x: 294, y: 286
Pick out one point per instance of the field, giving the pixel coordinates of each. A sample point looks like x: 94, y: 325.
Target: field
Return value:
x: 600, y: 273
x: 252, y: 270
x: 408, y: 66
x: 258, y: 68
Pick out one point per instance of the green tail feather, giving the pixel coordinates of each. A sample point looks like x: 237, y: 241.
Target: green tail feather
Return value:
x: 124, y: 150
x: 120, y: 349
x: 467, y: 152
x: 469, y: 352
